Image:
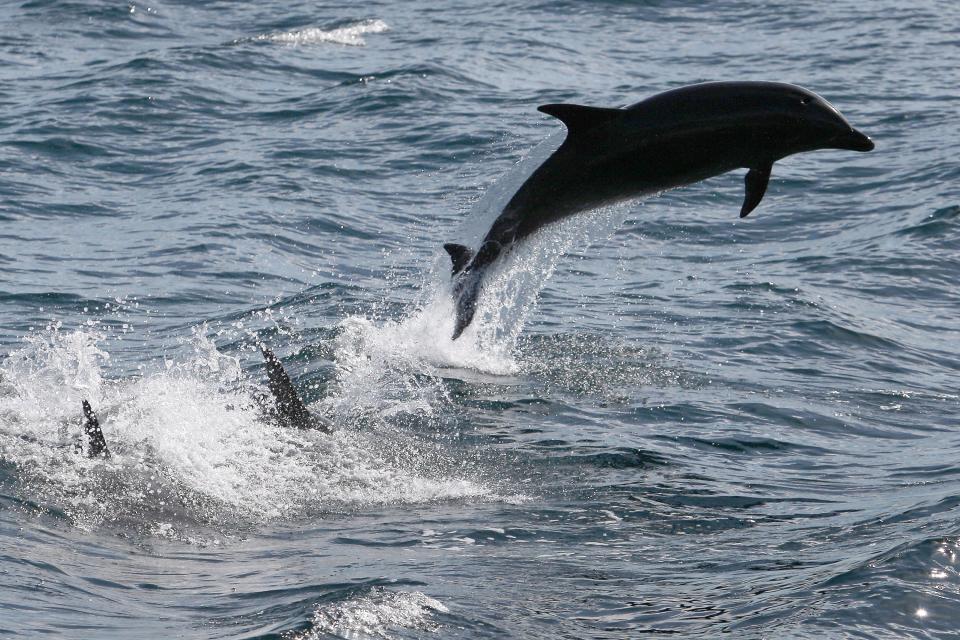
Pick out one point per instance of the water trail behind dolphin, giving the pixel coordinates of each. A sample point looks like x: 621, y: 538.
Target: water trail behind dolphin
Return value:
x: 383, y: 362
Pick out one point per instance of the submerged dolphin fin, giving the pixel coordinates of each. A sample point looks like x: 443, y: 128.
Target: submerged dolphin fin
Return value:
x: 460, y: 256
x: 290, y: 410
x: 96, y: 444
x: 579, y: 118
x: 756, y: 182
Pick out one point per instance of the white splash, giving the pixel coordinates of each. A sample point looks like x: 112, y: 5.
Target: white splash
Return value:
x: 373, y: 615
x: 349, y: 35
x: 48, y: 377
x: 374, y: 357
x: 190, y: 439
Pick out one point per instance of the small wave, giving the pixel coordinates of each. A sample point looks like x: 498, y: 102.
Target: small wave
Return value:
x: 349, y: 35
x: 620, y: 458
x: 941, y: 222
x: 373, y: 615
x: 916, y: 579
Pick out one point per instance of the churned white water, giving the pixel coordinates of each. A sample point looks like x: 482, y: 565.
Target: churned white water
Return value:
x: 189, y: 436
x: 349, y: 35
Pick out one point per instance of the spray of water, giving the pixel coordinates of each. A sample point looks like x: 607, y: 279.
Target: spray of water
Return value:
x: 379, y: 363
x: 189, y: 442
x: 189, y: 445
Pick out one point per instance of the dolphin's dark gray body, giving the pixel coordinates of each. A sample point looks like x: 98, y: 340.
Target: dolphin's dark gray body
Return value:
x: 670, y: 140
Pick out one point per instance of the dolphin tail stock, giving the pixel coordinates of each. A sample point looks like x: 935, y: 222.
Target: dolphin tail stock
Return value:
x: 288, y: 407
x: 96, y: 444
x: 466, y: 289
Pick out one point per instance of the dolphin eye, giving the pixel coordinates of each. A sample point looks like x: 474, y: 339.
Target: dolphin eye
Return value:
x: 805, y: 100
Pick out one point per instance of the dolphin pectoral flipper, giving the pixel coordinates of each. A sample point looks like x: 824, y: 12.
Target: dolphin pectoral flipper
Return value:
x: 756, y: 182
x: 460, y: 256
x: 289, y: 408
x: 96, y: 444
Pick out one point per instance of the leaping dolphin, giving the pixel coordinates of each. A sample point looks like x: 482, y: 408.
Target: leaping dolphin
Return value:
x: 672, y: 139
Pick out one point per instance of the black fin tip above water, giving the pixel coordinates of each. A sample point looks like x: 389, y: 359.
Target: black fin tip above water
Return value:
x: 289, y: 408
x: 96, y: 444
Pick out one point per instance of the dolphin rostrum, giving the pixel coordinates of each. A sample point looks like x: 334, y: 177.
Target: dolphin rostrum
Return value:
x: 672, y: 139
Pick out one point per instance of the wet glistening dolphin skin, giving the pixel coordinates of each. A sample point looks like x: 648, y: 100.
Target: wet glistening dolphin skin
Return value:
x: 672, y: 139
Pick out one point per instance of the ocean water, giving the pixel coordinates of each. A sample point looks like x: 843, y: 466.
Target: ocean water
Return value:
x: 666, y: 420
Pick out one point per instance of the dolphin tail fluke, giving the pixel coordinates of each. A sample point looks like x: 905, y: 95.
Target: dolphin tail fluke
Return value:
x: 460, y: 256
x: 96, y: 444
x: 756, y: 182
x: 289, y: 408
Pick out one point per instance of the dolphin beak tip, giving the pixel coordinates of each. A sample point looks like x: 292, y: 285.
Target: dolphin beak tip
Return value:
x: 855, y: 141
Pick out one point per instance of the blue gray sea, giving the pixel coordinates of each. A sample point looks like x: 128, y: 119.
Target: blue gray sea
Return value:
x: 666, y: 419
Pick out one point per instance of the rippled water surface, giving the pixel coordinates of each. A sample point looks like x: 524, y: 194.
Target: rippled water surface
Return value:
x: 666, y: 419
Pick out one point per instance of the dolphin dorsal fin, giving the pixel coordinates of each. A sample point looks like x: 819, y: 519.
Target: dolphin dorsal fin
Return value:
x: 460, y: 256
x: 290, y: 410
x: 96, y: 444
x: 579, y: 118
